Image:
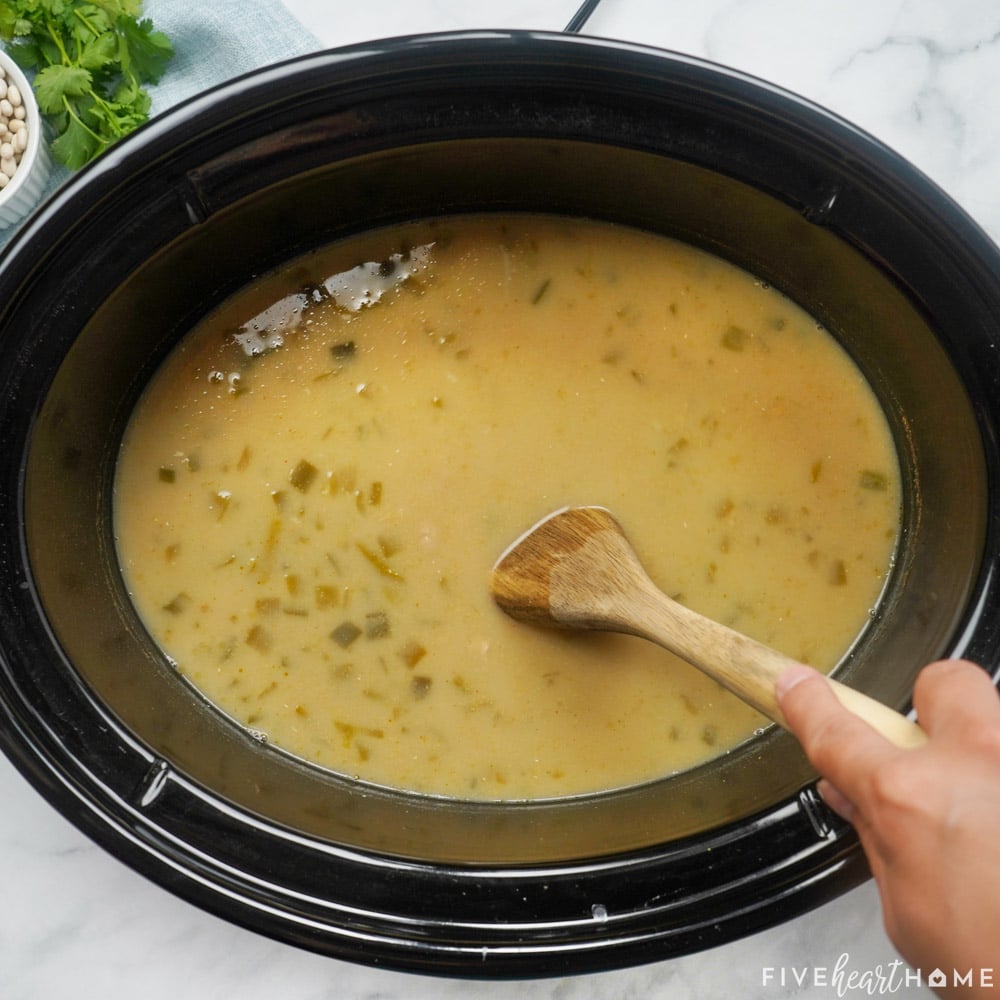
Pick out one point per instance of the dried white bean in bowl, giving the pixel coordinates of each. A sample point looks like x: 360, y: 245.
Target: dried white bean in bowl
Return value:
x: 13, y: 128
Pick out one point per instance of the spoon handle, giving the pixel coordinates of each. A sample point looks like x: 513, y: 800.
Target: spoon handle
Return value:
x: 749, y: 668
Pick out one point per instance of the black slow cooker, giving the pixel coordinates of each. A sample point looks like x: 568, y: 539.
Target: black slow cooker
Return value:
x: 118, y: 265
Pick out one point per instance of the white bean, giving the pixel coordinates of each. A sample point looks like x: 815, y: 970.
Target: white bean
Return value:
x: 13, y: 128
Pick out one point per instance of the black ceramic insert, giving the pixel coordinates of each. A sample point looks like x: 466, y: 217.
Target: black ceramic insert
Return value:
x: 111, y: 272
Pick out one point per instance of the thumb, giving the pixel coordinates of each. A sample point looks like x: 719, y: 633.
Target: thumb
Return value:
x: 841, y: 746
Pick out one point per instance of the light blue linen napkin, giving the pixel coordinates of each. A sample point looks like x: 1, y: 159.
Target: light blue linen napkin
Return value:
x: 214, y: 41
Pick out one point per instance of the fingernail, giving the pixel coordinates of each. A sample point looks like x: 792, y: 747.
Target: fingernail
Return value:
x: 790, y: 677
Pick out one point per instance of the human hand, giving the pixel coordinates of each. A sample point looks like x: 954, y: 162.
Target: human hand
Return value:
x: 928, y: 818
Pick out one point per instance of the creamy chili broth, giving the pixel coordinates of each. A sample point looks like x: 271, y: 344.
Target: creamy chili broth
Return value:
x: 313, y: 490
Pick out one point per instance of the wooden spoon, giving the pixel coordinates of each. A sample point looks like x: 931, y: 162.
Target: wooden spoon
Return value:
x: 576, y: 569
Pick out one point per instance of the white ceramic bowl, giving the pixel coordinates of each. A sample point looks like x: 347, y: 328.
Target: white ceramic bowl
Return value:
x: 27, y: 185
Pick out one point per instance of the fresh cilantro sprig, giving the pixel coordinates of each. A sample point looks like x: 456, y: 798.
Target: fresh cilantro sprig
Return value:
x: 93, y: 61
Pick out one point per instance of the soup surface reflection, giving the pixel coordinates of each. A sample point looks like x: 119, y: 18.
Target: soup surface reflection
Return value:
x: 314, y: 488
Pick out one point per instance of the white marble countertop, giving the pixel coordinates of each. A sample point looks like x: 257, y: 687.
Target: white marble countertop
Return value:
x: 921, y: 75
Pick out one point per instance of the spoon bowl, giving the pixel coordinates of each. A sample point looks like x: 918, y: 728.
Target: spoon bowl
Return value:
x: 577, y: 569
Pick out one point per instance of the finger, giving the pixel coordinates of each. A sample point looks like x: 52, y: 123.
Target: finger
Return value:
x: 836, y: 800
x: 953, y: 696
x: 847, y: 810
x: 841, y: 746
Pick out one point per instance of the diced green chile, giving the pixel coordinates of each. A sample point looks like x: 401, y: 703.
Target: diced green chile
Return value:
x: 344, y: 351
x: 345, y: 634
x: 377, y: 625
x: 302, y: 476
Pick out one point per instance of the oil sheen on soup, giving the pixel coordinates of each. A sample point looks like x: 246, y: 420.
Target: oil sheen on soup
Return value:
x: 315, y: 486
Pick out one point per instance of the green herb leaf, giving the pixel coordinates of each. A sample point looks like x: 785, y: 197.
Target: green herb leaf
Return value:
x: 149, y: 50
x: 76, y: 145
x: 93, y: 59
x: 98, y: 54
x: 55, y: 84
